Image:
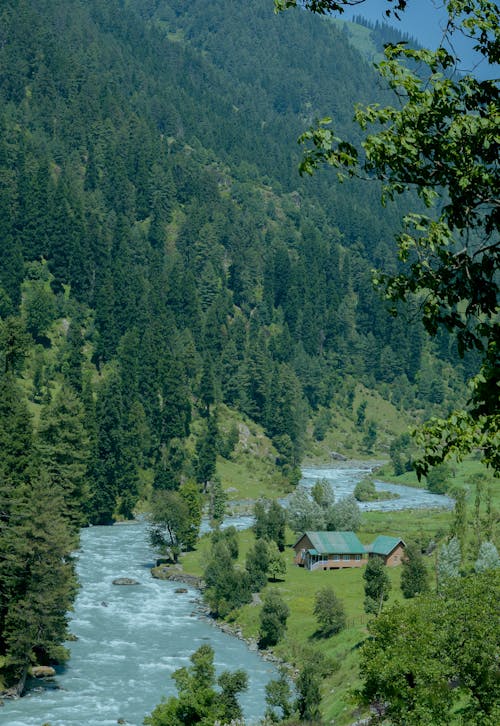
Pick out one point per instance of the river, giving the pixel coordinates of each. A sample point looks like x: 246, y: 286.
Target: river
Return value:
x: 344, y: 478
x: 131, y: 639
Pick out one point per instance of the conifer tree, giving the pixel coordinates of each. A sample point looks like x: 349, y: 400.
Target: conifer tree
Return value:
x: 73, y: 371
x: 63, y: 445
x: 190, y: 494
x: 39, y: 578
x: 206, y: 450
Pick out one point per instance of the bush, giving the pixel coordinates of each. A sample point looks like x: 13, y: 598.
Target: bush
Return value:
x: 364, y: 491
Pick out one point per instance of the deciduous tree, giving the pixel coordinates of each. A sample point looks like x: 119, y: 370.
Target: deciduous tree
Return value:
x: 435, y: 660
x: 414, y: 575
x: 273, y: 617
x: 329, y: 612
x: 377, y: 585
x: 198, y: 699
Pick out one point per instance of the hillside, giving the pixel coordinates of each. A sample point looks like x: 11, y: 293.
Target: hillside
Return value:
x: 163, y: 194
x: 166, y: 272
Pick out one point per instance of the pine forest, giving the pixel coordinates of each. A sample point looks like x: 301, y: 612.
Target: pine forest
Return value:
x: 188, y: 309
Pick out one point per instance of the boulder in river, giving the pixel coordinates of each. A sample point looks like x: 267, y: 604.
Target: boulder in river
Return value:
x: 125, y: 581
x: 43, y: 672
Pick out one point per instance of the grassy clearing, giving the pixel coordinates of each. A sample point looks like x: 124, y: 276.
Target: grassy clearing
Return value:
x: 346, y: 437
x: 246, y: 479
x: 250, y: 472
x: 298, y: 589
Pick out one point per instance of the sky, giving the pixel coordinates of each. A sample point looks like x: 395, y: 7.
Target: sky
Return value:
x: 424, y: 20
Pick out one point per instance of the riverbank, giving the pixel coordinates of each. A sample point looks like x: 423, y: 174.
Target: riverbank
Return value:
x: 175, y: 573
x: 298, y: 586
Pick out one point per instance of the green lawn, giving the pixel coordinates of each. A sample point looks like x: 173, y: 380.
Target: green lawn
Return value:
x: 298, y: 589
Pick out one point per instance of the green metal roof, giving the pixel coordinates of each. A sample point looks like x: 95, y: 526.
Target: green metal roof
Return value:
x: 336, y: 543
x: 384, y: 545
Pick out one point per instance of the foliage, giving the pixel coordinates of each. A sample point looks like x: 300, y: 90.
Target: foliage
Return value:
x: 327, y: 6
x: 229, y: 537
x: 438, y: 478
x: 323, y: 494
x: 37, y: 580
x: 63, y: 446
x: 345, y: 515
x: 168, y: 266
x: 190, y: 494
x: 488, y: 558
x: 172, y: 523
x: 273, y: 616
x: 414, y: 575
x: 303, y: 512
x: 441, y: 141
x: 270, y: 520
x: 206, y: 451
x: 278, y: 696
x: 377, y: 585
x: 198, y: 699
x: 365, y: 491
x: 218, y: 499
x: 434, y: 660
x: 329, y: 612
x: 401, y: 453
x: 275, y: 524
x: 459, y: 524
x: 308, y: 686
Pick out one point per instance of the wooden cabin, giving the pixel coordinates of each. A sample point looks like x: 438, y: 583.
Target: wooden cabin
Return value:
x: 329, y: 551
x: 391, y: 549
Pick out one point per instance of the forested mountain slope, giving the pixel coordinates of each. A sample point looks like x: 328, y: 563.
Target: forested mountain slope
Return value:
x: 161, y: 255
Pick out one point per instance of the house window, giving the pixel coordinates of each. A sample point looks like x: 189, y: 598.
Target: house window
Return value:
x: 346, y: 557
x: 336, y: 557
x: 358, y: 557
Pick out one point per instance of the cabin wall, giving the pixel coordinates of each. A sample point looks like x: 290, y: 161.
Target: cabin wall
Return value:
x: 301, y: 548
x: 395, y: 557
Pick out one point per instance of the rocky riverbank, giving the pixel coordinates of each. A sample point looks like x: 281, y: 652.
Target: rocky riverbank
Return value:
x: 174, y: 573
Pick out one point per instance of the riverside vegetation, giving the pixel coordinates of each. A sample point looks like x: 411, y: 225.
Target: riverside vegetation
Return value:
x: 169, y: 284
